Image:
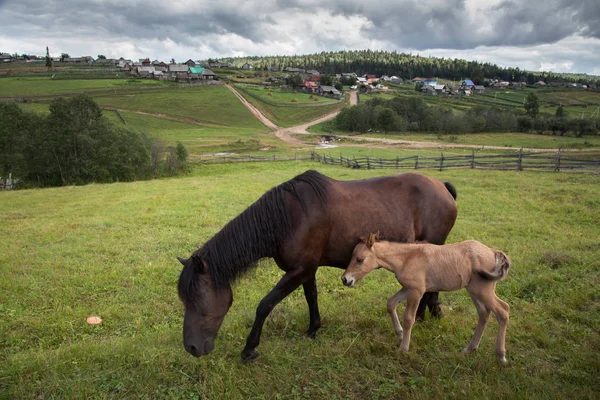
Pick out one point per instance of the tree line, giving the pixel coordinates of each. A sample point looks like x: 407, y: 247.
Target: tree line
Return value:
x: 75, y: 144
x: 406, y: 66
x: 402, y: 114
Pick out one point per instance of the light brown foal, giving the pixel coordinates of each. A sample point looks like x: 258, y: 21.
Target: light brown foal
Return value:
x: 424, y: 267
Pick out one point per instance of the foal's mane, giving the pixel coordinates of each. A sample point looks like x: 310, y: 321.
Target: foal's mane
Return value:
x: 255, y: 233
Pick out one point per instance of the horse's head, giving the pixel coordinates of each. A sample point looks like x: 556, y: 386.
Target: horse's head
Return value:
x: 362, y: 262
x: 205, y: 306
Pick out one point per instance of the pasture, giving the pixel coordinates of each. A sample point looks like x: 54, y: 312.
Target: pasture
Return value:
x: 286, y: 115
x: 109, y: 250
x: 40, y: 86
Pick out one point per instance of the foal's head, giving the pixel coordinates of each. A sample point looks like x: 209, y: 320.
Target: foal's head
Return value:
x: 363, y: 260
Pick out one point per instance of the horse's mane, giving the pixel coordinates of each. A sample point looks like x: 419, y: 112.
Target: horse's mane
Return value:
x: 255, y: 233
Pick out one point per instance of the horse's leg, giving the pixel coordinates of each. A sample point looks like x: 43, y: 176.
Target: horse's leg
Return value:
x: 483, y: 314
x: 412, y: 303
x: 288, y: 283
x: 392, y: 303
x: 310, y: 292
x: 429, y: 300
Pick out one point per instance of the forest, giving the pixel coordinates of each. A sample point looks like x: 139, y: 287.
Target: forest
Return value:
x: 406, y: 66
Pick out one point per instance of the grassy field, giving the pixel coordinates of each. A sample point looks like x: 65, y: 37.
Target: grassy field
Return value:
x: 46, y: 86
x: 285, y: 97
x: 516, y: 140
x: 209, y: 104
x: 292, y: 116
x: 110, y: 250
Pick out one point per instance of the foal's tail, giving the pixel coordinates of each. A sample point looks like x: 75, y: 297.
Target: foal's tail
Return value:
x: 501, y: 267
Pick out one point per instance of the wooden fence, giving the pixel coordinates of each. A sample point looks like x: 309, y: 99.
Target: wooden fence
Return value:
x: 518, y: 162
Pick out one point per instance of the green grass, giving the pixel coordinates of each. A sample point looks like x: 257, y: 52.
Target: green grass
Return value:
x: 110, y: 250
x: 285, y: 116
x: 46, y: 86
x: 286, y: 97
x: 209, y: 104
x: 516, y: 140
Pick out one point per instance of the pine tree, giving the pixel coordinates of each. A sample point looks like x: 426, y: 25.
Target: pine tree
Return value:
x: 48, y: 59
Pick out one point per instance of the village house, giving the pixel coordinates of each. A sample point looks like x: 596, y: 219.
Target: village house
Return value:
x: 309, y: 86
x: 207, y: 74
x: 428, y: 89
x: 146, y: 62
x: 430, y: 82
x: 179, y: 72
x: 540, y: 83
x: 329, y: 91
x: 247, y: 66
x: 145, y: 72
x: 5, y: 58
x: 467, y: 83
x: 396, y: 80
x: 313, y: 72
x: 479, y: 89
x: 417, y: 80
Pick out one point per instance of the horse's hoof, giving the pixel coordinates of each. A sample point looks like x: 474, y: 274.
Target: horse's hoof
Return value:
x: 437, y: 312
x: 249, y: 355
x: 311, y: 333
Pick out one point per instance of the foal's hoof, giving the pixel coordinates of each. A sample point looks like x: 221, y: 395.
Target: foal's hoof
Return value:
x: 502, y: 360
x: 249, y: 355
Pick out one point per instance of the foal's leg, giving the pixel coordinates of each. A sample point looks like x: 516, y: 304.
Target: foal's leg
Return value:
x: 412, y: 303
x: 501, y: 310
x: 310, y: 292
x: 392, y: 303
x: 483, y: 314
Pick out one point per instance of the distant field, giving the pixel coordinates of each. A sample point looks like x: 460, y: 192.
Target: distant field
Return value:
x: 516, y: 140
x: 109, y: 250
x: 285, y: 97
x: 209, y: 104
x: 15, y: 87
x: 292, y: 116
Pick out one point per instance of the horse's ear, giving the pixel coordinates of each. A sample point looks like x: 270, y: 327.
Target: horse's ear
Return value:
x: 371, y: 240
x: 376, y: 236
x: 363, y: 239
x: 181, y: 260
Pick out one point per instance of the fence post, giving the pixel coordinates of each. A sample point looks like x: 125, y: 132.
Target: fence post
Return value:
x: 442, y: 162
x: 417, y: 162
x: 341, y: 159
x: 368, y: 163
x: 557, y: 169
x: 472, y: 159
x: 397, y: 162
x: 381, y: 162
x: 520, y: 160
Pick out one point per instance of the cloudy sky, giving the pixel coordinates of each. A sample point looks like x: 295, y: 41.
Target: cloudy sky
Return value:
x: 550, y: 35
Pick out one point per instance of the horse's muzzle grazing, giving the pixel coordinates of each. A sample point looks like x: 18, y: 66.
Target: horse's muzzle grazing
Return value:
x: 201, y: 349
x: 348, y: 281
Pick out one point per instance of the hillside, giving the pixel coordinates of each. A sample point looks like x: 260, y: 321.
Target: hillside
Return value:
x: 404, y: 65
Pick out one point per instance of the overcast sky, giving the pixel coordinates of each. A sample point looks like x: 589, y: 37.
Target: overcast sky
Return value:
x: 549, y: 35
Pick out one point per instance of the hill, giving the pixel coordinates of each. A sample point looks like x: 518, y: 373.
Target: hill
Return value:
x: 404, y: 65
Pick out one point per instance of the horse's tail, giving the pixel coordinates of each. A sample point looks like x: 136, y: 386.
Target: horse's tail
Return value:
x: 501, y: 267
x: 451, y: 189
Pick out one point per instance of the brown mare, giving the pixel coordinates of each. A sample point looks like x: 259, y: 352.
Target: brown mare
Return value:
x: 427, y: 267
x: 307, y: 222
